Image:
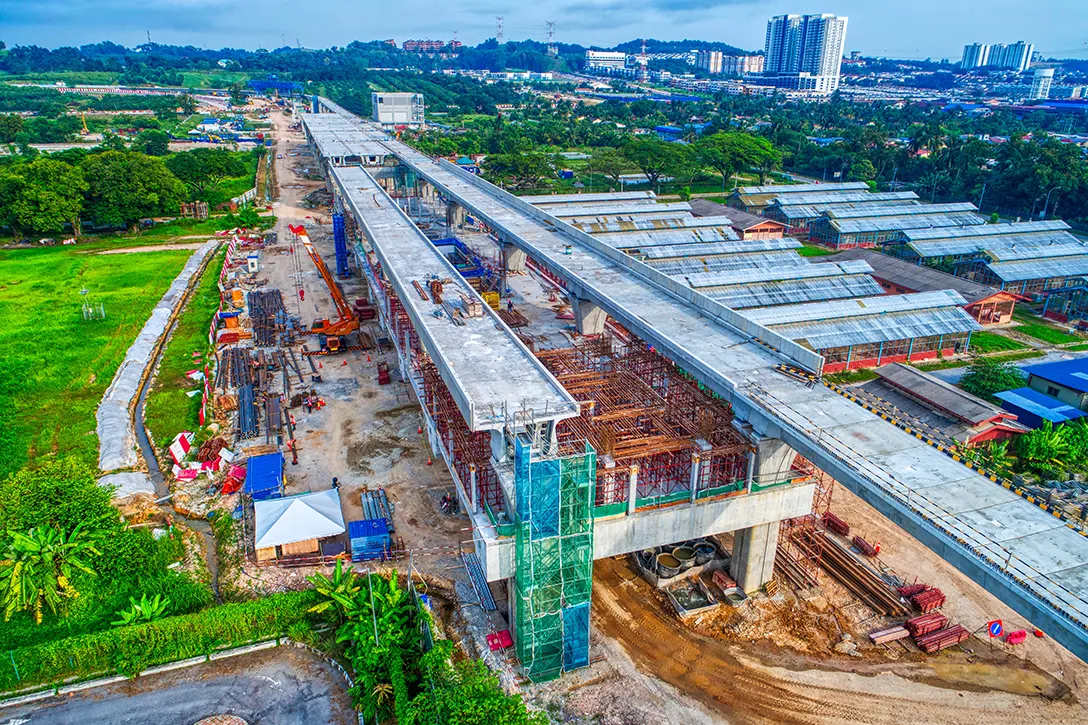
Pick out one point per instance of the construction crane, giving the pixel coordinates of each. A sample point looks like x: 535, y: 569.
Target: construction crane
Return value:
x: 347, y: 322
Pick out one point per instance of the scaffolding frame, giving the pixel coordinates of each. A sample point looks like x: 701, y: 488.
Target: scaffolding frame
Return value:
x: 646, y: 418
x: 799, y: 554
x: 554, y: 554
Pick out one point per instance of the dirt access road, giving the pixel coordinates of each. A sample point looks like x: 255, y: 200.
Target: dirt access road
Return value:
x: 751, y: 684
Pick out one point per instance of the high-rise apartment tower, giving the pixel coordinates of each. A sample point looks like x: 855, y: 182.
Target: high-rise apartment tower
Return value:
x: 805, y: 51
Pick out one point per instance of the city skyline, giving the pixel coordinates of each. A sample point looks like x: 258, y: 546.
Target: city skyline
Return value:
x: 742, y: 23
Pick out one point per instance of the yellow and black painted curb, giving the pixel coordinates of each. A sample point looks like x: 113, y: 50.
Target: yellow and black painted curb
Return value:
x: 940, y: 446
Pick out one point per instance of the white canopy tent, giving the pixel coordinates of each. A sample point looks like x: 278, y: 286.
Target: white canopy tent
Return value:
x: 291, y: 519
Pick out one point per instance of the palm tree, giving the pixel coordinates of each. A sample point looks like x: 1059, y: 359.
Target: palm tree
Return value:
x: 37, y: 569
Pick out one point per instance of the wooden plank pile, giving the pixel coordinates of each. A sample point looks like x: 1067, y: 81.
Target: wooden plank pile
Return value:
x: 888, y: 634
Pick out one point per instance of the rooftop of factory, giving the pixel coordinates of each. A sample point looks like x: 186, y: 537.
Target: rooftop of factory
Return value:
x: 483, y: 363
x: 915, y: 277
x: 738, y: 218
x: 887, y: 218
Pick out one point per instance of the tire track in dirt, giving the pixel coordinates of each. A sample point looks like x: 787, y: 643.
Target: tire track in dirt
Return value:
x: 702, y: 668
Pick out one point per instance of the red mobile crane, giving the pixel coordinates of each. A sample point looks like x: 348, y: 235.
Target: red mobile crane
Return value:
x: 346, y: 322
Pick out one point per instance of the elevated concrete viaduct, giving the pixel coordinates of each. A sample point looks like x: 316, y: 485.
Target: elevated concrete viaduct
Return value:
x: 1034, y: 562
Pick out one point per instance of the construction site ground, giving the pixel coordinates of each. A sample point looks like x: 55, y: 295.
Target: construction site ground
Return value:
x: 649, y: 667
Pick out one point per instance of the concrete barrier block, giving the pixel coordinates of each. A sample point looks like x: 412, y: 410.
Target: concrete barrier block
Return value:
x: 243, y: 650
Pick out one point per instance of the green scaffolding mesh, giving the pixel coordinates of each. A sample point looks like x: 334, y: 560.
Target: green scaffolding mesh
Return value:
x: 554, y: 551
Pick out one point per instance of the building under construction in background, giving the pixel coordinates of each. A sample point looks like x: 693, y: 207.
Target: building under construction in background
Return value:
x: 658, y: 384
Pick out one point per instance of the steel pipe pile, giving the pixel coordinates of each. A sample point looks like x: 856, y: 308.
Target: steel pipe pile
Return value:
x: 264, y: 306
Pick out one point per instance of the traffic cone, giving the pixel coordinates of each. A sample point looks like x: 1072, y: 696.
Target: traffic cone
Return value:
x: 419, y: 430
x: 430, y: 461
x: 343, y: 363
x: 320, y: 365
x: 368, y: 357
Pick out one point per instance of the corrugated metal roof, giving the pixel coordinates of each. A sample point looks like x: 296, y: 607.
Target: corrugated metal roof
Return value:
x: 1019, y: 251
x: 766, y: 294
x: 1028, y: 400
x: 869, y: 306
x: 687, y: 265
x: 677, y: 209
x: 668, y: 251
x: 877, y: 210
x: 916, y: 277
x: 825, y: 334
x: 1040, y: 268
x: 1072, y: 374
x: 1003, y: 244
x: 943, y: 395
x: 811, y: 211
x: 638, y: 240
x: 614, y: 196
x: 712, y: 280
x: 802, y: 188
x: 607, y: 219
x: 989, y: 230
x: 641, y: 223
x: 896, y: 223
x: 842, y: 197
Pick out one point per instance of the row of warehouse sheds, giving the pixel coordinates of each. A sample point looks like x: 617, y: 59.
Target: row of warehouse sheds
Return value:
x: 745, y: 262
x: 1031, y: 259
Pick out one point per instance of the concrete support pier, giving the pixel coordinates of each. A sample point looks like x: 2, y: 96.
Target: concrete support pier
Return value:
x: 513, y: 258
x: 773, y: 461
x: 589, y: 317
x: 753, y: 556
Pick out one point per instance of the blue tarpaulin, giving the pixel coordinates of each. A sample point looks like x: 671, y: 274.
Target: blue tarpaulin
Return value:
x: 264, y: 476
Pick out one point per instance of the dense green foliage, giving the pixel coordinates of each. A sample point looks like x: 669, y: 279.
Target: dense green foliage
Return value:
x: 399, y: 673
x: 115, y: 188
x: 129, y: 650
x: 986, y: 376
x: 110, y: 564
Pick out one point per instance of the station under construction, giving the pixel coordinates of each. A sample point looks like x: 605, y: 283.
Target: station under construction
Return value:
x: 650, y: 383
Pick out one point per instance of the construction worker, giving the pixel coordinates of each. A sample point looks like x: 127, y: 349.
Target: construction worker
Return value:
x: 509, y: 305
x: 335, y: 483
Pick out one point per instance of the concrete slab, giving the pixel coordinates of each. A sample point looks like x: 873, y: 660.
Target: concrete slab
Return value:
x: 1049, y: 552
x: 1010, y: 520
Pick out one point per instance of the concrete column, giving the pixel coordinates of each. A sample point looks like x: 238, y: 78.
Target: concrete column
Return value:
x: 632, y: 490
x: 752, y: 564
x: 513, y: 258
x: 588, y: 317
x: 772, y: 462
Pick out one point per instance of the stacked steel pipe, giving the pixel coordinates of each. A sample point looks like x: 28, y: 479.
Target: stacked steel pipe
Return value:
x: 942, y: 639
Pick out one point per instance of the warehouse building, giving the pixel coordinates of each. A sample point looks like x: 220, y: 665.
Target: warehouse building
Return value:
x: 989, y: 306
x: 754, y: 199
x: 798, y: 211
x: 747, y: 226
x: 836, y: 307
x: 875, y: 224
x: 1031, y: 259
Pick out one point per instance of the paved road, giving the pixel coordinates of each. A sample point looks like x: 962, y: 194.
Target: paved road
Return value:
x: 282, y: 686
x: 953, y: 375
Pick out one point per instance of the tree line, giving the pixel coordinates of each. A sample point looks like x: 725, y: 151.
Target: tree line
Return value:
x: 110, y: 186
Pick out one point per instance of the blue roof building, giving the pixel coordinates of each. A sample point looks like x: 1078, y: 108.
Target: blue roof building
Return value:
x: 1032, y: 407
x: 1066, y: 380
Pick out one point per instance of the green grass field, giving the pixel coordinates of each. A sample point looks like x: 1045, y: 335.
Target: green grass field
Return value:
x: 811, y: 250
x: 169, y: 410
x: 959, y: 363
x: 983, y: 342
x: 213, y: 79
x: 1046, y: 333
x: 55, y: 365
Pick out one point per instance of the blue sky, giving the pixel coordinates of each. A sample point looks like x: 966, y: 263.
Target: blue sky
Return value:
x: 915, y: 28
